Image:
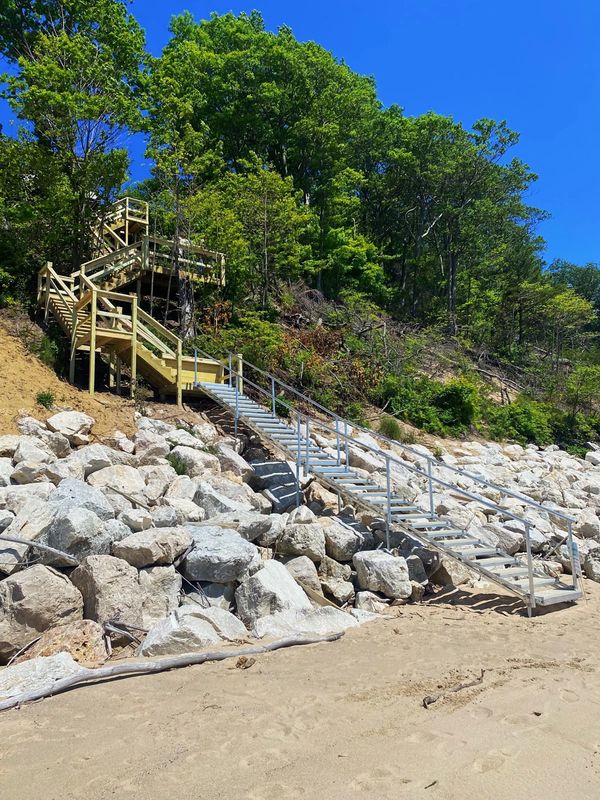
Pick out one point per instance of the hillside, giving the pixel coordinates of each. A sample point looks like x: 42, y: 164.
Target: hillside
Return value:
x: 24, y: 376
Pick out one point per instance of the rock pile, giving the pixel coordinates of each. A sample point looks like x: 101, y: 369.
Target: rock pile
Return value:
x: 174, y: 541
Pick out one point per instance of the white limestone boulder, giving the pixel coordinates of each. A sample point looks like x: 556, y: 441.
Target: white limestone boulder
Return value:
x: 304, y: 571
x: 75, y: 425
x: 160, y: 589
x: 378, y: 571
x: 183, y: 631
x: 110, y: 590
x: 196, y: 462
x: 160, y: 546
x: 37, y: 674
x: 32, y: 521
x: 302, y: 540
x: 220, y: 555
x: 72, y: 493
x: 31, y: 601
x: 325, y: 621
x: 269, y: 590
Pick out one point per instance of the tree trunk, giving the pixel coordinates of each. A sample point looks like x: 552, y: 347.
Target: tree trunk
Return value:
x: 452, y: 272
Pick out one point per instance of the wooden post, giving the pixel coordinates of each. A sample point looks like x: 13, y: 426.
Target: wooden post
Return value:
x: 145, y: 252
x: 118, y: 374
x: 73, y: 344
x: 179, y: 375
x: 240, y: 370
x: 47, y: 301
x: 133, y: 347
x: 111, y: 370
x: 92, y: 378
x: 138, y: 289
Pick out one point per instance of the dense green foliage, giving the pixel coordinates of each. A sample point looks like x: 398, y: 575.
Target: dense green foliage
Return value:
x: 276, y: 153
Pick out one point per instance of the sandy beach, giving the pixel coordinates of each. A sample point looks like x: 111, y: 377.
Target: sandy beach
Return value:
x: 339, y: 720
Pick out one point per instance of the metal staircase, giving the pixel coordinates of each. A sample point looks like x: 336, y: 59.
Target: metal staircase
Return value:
x: 300, y: 436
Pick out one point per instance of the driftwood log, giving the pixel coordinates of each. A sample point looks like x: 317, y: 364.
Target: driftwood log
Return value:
x: 71, y: 560
x: 432, y: 698
x: 148, y: 667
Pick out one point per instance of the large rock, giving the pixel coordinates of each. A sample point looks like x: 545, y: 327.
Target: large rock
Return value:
x: 158, y: 478
x: 37, y: 674
x: 380, y: 572
x: 269, y: 590
x: 342, y: 542
x: 303, y: 570
x: 136, y: 519
x: 121, y: 477
x: 593, y: 457
x: 72, y: 493
x: 32, y: 522
x: 92, y: 458
x: 32, y: 450
x: 302, y: 540
x: 336, y: 580
x: 6, y: 470
x: 8, y: 444
x: 110, y: 590
x: 321, y: 500
x: 220, y: 555
x: 32, y: 601
x: 587, y: 524
x: 82, y: 639
x: 150, y: 447
x: 277, y: 480
x: 196, y: 462
x: 231, y: 461
x: 450, y: 573
x: 78, y: 532
x: 228, y: 626
x: 591, y: 565
x: 29, y: 472
x: 363, y: 459
x: 185, y: 439
x: 249, y: 524
x: 323, y: 621
x: 72, y: 424
x: 160, y: 588
x: 183, y: 631
x: 238, y: 491
x: 159, y: 546
x: 216, y: 502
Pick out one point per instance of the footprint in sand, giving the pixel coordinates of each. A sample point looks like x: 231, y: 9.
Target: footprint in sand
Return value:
x: 277, y: 791
x: 489, y: 762
x: 568, y: 695
x: 378, y: 779
x: 481, y: 712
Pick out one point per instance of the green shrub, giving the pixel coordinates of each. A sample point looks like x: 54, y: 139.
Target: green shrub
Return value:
x: 390, y: 427
x: 355, y: 412
x: 45, y: 399
x: 524, y: 421
x: 177, y: 463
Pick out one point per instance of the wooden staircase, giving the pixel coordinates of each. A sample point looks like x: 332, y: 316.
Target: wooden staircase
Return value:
x: 102, y: 321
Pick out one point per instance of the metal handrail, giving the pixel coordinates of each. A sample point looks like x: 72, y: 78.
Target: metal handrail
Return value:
x: 376, y: 435
x: 431, y: 479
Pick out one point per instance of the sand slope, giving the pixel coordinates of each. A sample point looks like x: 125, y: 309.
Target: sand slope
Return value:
x: 339, y: 721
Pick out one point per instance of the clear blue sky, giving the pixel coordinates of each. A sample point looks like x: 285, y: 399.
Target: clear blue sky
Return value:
x: 535, y: 64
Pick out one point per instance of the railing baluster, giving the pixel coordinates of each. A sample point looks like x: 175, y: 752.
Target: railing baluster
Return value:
x: 307, y: 444
x: 273, y: 399
x: 531, y: 600
x: 430, y: 482
x: 298, y: 459
x: 388, y: 514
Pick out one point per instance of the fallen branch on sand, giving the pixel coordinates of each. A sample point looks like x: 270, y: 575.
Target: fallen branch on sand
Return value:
x: 432, y: 698
x: 148, y: 667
